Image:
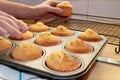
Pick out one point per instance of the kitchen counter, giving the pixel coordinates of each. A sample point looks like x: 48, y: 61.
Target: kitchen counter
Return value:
x: 104, y: 71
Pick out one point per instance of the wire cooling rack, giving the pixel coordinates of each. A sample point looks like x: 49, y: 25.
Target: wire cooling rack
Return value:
x: 111, y: 31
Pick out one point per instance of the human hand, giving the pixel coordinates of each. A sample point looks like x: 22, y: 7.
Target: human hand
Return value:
x: 47, y: 9
x: 10, y: 25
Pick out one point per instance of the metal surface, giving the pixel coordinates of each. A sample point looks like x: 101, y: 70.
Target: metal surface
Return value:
x: 108, y: 60
x: 38, y: 66
x: 117, y: 50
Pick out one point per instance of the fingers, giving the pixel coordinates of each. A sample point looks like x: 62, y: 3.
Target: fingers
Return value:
x: 9, y: 24
x: 2, y: 32
x: 21, y: 26
x: 9, y: 21
x: 55, y: 10
x: 10, y: 29
x: 52, y: 7
x: 54, y: 3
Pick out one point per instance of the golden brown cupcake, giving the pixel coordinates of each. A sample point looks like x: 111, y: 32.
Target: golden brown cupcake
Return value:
x: 26, y: 51
x: 78, y: 46
x: 25, y: 35
x: 47, y: 39
x: 4, y: 44
x: 62, y: 62
x: 67, y: 8
x: 90, y: 35
x: 38, y: 27
x: 62, y: 31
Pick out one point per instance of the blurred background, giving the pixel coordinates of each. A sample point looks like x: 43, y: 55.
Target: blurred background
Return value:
x: 95, y: 10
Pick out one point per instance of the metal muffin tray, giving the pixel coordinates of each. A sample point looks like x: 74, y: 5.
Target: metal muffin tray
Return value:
x: 38, y: 66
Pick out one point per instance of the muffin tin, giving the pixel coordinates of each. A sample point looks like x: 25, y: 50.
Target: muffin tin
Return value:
x: 38, y: 65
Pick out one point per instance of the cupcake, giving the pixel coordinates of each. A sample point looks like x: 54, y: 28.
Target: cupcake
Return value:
x: 38, y: 27
x: 62, y: 31
x: 78, y: 46
x: 25, y: 51
x: 47, y: 39
x: 67, y: 8
x: 4, y: 44
x: 25, y: 35
x: 62, y: 62
x: 90, y: 35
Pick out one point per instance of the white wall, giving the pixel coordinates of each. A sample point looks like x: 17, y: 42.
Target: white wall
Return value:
x: 107, y: 8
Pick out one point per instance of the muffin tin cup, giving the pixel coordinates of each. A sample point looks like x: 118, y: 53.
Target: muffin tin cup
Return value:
x: 65, y: 73
x: 38, y: 65
x: 8, y: 49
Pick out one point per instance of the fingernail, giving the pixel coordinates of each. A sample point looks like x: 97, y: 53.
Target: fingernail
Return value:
x: 25, y: 28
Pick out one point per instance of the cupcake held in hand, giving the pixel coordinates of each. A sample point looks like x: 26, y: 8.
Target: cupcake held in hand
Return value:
x: 67, y: 8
